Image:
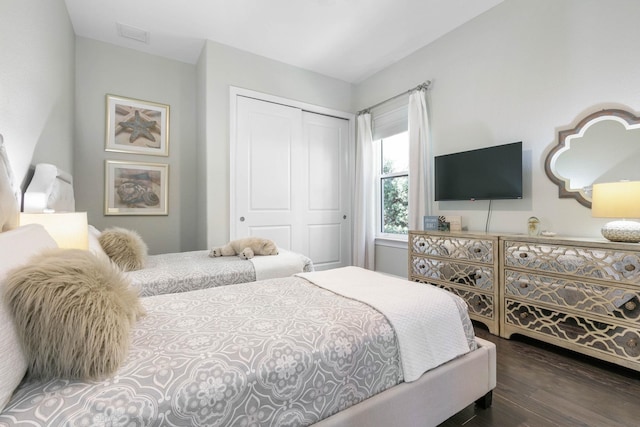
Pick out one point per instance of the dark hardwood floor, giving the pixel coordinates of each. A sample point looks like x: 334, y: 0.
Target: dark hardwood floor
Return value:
x: 541, y: 385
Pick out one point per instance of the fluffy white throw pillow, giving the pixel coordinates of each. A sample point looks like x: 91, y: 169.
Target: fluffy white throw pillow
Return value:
x: 125, y: 248
x: 73, y: 313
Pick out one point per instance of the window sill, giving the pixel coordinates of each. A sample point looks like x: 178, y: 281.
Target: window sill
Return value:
x: 399, y: 242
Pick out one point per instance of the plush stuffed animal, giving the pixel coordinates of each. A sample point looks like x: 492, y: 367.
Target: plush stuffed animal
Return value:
x: 246, y: 248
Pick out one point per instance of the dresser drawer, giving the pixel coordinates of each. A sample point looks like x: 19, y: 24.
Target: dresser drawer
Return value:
x: 578, y: 295
x: 477, y: 250
x: 597, y: 337
x: 476, y: 276
x: 591, y: 263
x: 478, y: 304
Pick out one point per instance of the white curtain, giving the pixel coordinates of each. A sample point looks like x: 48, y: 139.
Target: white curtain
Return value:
x: 364, y: 206
x: 419, y: 160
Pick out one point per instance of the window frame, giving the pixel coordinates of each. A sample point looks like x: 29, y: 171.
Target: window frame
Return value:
x: 379, y: 200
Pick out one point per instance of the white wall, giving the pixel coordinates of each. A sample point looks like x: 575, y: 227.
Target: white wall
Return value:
x: 522, y: 71
x: 36, y: 83
x: 221, y: 67
x: 102, y: 69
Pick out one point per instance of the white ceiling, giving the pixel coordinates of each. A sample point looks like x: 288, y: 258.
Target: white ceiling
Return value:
x: 346, y: 39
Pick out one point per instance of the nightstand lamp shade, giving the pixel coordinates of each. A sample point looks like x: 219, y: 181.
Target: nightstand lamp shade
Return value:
x: 70, y: 230
x: 618, y: 200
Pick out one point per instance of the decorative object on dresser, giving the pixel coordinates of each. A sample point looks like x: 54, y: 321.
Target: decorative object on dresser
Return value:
x: 533, y: 226
x: 618, y: 200
x: 579, y: 294
x: 435, y: 222
x: 455, y: 222
x: 463, y: 263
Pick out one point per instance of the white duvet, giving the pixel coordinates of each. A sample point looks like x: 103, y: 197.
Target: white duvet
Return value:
x: 425, y: 318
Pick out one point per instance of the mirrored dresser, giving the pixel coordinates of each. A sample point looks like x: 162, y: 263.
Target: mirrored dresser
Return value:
x: 463, y: 263
x: 579, y: 294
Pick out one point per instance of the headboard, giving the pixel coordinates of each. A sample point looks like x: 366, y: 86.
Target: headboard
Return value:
x: 9, y: 193
x: 49, y: 189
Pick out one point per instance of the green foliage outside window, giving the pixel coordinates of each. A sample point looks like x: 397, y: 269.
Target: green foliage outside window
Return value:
x: 395, y: 193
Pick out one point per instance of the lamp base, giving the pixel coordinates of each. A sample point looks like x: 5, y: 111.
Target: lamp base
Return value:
x: 622, y: 231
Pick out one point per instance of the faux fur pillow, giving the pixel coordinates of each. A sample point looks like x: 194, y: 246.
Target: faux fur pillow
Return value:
x: 125, y: 248
x: 73, y: 313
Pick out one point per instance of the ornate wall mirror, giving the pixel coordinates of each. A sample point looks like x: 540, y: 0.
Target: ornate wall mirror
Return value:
x: 603, y: 147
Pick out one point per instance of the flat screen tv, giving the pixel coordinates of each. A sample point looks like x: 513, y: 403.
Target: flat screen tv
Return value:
x: 485, y: 174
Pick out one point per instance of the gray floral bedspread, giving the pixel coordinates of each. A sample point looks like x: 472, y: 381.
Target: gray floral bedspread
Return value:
x: 279, y: 352
x: 195, y: 270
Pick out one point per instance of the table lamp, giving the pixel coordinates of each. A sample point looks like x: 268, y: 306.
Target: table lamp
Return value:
x: 618, y: 200
x: 70, y: 230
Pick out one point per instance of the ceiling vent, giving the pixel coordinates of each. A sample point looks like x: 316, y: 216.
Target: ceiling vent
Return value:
x: 133, y: 33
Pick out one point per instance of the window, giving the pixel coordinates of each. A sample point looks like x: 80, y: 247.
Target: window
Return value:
x: 393, y: 184
x: 390, y: 124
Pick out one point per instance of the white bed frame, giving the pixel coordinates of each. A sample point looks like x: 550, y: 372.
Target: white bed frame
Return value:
x: 430, y: 400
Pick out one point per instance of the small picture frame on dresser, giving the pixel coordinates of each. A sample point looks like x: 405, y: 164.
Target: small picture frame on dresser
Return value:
x: 444, y: 226
x: 441, y: 223
x: 455, y: 222
x: 430, y: 222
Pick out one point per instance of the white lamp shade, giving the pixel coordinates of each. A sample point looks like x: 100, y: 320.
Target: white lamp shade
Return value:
x: 70, y: 230
x: 616, y: 200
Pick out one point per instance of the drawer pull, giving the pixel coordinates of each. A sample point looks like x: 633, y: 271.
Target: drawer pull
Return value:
x: 523, y: 315
x: 421, y: 244
x: 523, y: 255
x: 629, y: 267
x: 524, y: 285
x: 479, y: 303
x: 632, y: 343
x: 630, y: 305
x: 477, y: 250
x: 421, y: 266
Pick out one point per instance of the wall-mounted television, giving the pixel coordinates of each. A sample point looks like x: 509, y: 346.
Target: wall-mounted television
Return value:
x: 485, y: 174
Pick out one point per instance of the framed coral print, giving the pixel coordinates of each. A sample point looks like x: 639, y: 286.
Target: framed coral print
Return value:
x: 135, y: 126
x: 136, y: 188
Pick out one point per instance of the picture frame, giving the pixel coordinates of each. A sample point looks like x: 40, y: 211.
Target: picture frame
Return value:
x: 136, y: 126
x: 136, y: 188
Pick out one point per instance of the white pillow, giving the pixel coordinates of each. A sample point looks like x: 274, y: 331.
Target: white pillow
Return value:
x: 16, y: 247
x: 8, y: 203
x: 94, y: 244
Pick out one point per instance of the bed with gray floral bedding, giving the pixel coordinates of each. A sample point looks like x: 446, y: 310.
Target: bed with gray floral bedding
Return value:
x: 195, y: 270
x: 278, y: 352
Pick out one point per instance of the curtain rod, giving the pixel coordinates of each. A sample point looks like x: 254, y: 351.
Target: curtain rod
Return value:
x: 421, y: 86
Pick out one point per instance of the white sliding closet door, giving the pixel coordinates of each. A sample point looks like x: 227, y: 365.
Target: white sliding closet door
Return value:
x: 290, y: 180
x: 326, y: 199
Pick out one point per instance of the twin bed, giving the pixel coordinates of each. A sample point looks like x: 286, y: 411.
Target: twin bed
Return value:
x: 345, y: 347
x: 52, y: 189
x: 195, y: 270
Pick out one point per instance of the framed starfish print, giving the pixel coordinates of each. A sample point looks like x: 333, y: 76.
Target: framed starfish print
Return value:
x: 136, y: 188
x: 136, y: 126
